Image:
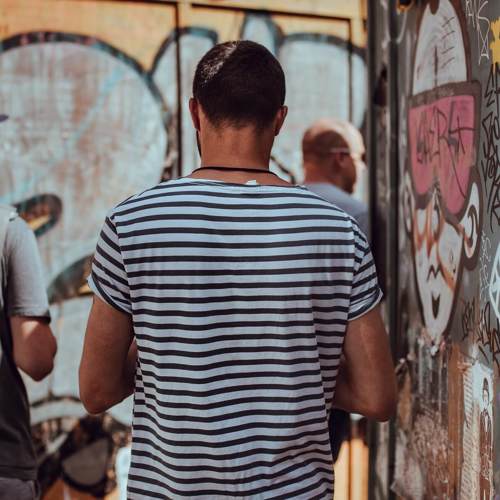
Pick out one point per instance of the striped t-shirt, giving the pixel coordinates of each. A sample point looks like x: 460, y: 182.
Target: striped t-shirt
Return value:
x: 240, y: 296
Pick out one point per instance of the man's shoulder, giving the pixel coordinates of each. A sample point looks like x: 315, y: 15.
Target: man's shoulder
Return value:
x: 179, y: 187
x: 334, y: 195
x: 12, y: 228
x: 7, y: 211
x: 8, y: 215
x: 145, y: 197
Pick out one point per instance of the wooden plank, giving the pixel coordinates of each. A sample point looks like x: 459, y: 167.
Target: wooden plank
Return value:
x: 341, y: 468
x: 137, y: 29
x: 338, y: 8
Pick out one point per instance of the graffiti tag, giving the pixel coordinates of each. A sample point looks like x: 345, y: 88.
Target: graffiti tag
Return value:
x: 489, y: 335
x: 469, y: 322
x: 484, y: 265
x: 483, y: 330
x: 490, y: 164
x: 480, y: 24
x: 442, y: 145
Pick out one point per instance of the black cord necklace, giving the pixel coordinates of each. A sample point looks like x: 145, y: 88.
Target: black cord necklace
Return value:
x: 242, y: 169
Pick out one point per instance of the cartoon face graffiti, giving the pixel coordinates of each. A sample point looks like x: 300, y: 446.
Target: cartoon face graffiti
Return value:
x: 442, y: 191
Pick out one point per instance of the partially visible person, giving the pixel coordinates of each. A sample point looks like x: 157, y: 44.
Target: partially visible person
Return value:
x: 26, y: 344
x: 485, y: 446
x: 333, y: 152
x: 225, y: 301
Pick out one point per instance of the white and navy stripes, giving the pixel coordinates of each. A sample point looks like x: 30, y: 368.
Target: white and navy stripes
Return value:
x: 240, y: 296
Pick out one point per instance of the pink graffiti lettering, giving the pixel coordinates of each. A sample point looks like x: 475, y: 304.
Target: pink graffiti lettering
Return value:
x: 441, y: 138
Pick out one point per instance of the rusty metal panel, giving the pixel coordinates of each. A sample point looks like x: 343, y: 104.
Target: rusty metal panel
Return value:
x: 447, y: 431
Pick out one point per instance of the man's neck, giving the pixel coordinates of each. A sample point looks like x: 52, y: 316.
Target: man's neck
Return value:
x: 235, y: 148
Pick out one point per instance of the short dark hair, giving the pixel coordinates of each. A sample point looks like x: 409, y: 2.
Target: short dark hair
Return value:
x: 239, y: 83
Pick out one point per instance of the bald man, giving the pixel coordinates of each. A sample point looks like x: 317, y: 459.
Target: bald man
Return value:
x: 333, y: 152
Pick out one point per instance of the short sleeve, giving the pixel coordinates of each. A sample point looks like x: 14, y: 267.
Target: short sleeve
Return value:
x: 365, y: 291
x: 108, y: 278
x: 26, y: 293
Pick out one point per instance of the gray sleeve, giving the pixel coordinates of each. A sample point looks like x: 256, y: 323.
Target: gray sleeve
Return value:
x: 26, y: 294
x: 363, y: 222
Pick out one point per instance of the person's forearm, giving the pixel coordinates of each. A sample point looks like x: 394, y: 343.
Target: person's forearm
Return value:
x: 367, y: 384
x: 127, y: 380
x: 351, y: 394
x: 100, y: 399
x: 34, y: 346
x: 345, y: 393
x: 107, y: 367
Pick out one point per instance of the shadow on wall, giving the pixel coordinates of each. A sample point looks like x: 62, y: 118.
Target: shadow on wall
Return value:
x: 88, y: 127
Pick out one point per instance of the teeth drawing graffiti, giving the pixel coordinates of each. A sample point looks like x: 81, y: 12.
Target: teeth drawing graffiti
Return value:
x: 495, y: 284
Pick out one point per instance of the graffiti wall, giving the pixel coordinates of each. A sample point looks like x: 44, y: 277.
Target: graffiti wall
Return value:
x: 447, y: 432
x: 96, y: 94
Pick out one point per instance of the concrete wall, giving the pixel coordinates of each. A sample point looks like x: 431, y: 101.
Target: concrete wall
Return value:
x: 97, y: 102
x: 441, y: 103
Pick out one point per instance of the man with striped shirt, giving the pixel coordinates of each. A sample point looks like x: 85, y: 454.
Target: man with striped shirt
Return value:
x: 237, y: 308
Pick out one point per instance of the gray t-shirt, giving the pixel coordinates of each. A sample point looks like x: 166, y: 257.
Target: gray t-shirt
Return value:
x: 343, y: 200
x: 22, y: 294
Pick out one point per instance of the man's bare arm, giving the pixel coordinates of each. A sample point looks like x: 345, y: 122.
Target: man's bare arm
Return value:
x: 107, y: 367
x: 366, y: 383
x: 34, y: 346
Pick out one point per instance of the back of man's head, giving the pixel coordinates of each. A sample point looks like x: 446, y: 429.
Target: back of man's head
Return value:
x: 333, y: 152
x: 328, y: 135
x: 238, y: 84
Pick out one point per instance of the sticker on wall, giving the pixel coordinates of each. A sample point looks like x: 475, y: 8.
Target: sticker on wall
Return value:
x: 477, y: 469
x: 495, y: 43
x: 443, y: 193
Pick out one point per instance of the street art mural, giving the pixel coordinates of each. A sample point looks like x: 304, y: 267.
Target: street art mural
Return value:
x: 447, y: 432
x: 89, y: 124
x: 444, y: 212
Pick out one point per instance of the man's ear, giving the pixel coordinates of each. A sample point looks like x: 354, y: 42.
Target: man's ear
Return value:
x: 471, y: 225
x: 194, y: 109
x: 339, y: 161
x: 280, y: 119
